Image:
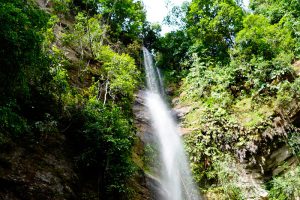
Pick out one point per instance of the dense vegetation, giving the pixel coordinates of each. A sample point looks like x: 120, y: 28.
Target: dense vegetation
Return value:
x: 238, y: 81
x: 70, y: 68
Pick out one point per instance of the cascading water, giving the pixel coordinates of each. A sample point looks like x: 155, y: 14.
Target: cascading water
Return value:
x: 175, y: 176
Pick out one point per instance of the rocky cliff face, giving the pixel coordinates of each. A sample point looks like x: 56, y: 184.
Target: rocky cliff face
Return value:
x: 271, y: 157
x: 37, y: 171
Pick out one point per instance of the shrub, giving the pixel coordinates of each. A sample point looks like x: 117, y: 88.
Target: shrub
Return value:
x: 107, y: 139
x: 10, y: 121
x: 286, y: 186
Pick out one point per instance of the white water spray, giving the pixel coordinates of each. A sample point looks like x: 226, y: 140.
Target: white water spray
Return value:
x: 175, y: 176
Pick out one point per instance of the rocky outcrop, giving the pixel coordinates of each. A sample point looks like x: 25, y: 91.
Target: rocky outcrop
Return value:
x: 142, y: 118
x: 279, y: 160
x: 148, y: 186
x: 155, y: 187
x: 37, y: 172
x: 271, y: 157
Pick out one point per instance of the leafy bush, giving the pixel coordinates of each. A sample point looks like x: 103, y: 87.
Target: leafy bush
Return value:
x: 11, y: 122
x: 107, y: 140
x: 294, y: 142
x: 226, y: 172
x: 21, y: 58
x: 61, y: 6
x: 119, y: 72
x: 215, y: 171
x: 286, y: 186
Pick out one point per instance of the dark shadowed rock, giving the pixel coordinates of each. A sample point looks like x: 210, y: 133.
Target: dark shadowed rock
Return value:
x: 37, y: 172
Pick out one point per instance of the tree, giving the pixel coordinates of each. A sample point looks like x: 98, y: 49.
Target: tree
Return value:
x: 125, y: 18
x: 259, y: 38
x: 106, y: 141
x: 175, y: 47
x: 212, y: 26
x: 119, y: 73
x: 276, y: 9
x: 151, y: 34
x: 286, y: 12
x: 263, y: 53
x: 21, y: 41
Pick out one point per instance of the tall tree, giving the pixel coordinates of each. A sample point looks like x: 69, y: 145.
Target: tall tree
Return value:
x: 286, y: 12
x: 212, y: 26
x: 20, y: 40
x: 125, y: 17
x: 276, y: 9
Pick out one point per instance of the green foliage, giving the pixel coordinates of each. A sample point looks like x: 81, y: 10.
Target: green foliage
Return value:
x: 61, y: 6
x: 276, y: 9
x: 227, y: 174
x: 286, y: 186
x: 258, y: 63
x: 263, y: 54
x: 209, y: 81
x: 125, y: 18
x: 288, y: 95
x: 119, y: 72
x: 87, y: 34
x: 25, y: 77
x: 262, y: 39
x: 216, y: 172
x: 177, y: 16
x: 107, y: 140
x: 48, y: 32
x: 151, y: 34
x: 232, y: 104
x: 174, y: 47
x: 212, y: 26
x: 294, y: 142
x: 21, y: 41
x: 60, y: 84
x: 286, y: 12
x: 40, y: 93
x: 11, y: 121
x: 236, y: 78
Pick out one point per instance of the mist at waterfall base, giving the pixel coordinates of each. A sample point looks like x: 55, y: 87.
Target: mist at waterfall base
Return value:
x: 174, y: 174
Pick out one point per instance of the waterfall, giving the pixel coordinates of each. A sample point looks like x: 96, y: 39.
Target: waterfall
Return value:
x: 175, y: 176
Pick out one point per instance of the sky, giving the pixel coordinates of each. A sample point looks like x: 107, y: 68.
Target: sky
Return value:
x: 157, y: 10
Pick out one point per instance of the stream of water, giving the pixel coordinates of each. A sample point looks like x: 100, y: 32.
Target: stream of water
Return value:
x: 175, y: 176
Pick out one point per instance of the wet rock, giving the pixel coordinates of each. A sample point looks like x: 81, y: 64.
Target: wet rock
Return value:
x: 155, y: 188
x: 145, y: 185
x: 142, y: 118
x: 182, y: 111
x: 252, y: 183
